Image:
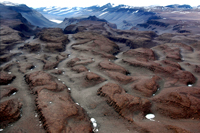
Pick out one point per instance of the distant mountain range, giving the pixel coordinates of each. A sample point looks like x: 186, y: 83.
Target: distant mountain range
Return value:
x: 125, y: 17
x: 122, y: 16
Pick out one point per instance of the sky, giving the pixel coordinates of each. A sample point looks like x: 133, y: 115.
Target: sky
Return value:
x: 86, y: 3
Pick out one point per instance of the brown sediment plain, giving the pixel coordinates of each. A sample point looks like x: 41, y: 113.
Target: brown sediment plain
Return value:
x: 85, y: 82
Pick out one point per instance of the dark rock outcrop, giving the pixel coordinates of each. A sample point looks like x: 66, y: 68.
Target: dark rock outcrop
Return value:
x: 55, y: 38
x: 140, y: 53
x: 147, y: 86
x: 7, y: 91
x: 56, y: 108
x: 107, y: 65
x: 31, y: 47
x: 9, y: 112
x: 125, y: 104
x: 178, y: 102
x: 6, y: 78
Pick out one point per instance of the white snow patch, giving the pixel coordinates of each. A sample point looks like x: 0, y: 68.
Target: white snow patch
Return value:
x: 104, y: 9
x: 150, y: 117
x: 14, y: 93
x: 69, y: 89
x: 9, y: 72
x: 7, y: 3
x: 56, y: 21
x: 135, y: 11
x: 1, y: 130
x: 103, y: 13
x: 94, y: 123
x: 93, y: 120
x: 190, y: 85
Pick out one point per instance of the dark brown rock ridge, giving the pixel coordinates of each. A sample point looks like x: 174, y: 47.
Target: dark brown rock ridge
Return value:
x: 7, y: 91
x: 119, y: 77
x: 125, y: 104
x: 24, y: 67
x: 92, y: 79
x: 56, y: 108
x: 6, y: 78
x: 178, y: 102
x: 54, y: 38
x: 141, y: 53
x: 97, y: 43
x: 31, y: 47
x: 108, y: 65
x: 79, y: 68
x: 59, y: 113
x: 172, y: 51
x: 9, y: 112
x: 171, y: 74
x: 9, y: 38
x: 52, y: 62
x: 7, y: 57
x: 79, y: 61
x: 147, y: 86
x: 41, y: 80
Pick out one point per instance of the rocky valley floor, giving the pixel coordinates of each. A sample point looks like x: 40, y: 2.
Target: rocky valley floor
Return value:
x: 92, y: 78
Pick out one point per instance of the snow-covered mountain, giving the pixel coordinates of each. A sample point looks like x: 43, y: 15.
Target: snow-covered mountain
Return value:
x: 122, y: 15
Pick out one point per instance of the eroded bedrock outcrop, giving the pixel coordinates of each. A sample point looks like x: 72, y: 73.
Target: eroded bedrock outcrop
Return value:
x: 6, y: 78
x: 9, y: 38
x: 172, y: 51
x: 41, y: 80
x: 54, y: 38
x: 126, y: 105
x: 95, y: 43
x: 173, y: 75
x: 7, y: 57
x: 79, y: 68
x: 79, y: 61
x: 59, y: 113
x: 140, y: 53
x: 178, y: 102
x: 31, y: 47
x: 148, y: 86
x: 52, y: 62
x: 57, y: 110
x: 119, y: 77
x: 88, y: 79
x: 25, y: 66
x: 7, y: 91
x: 108, y: 65
x: 9, y: 112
